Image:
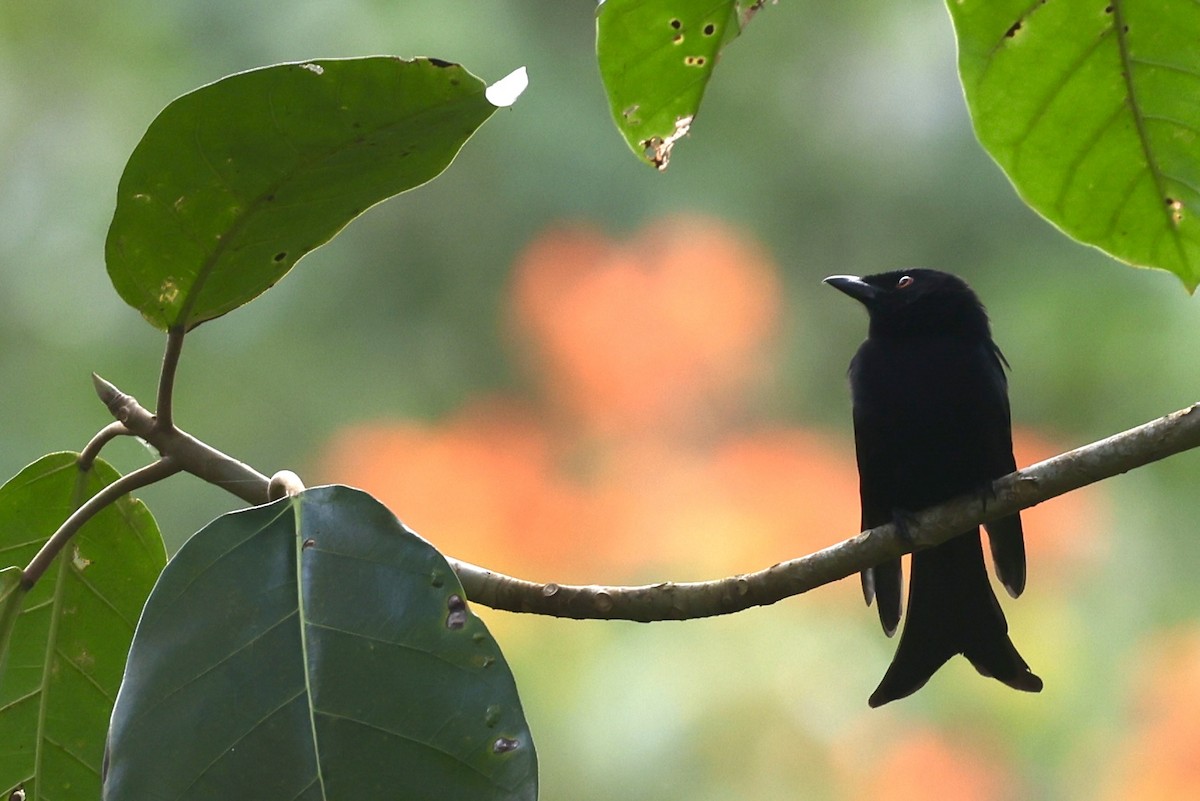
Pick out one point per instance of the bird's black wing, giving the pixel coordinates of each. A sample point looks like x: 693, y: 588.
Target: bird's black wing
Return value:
x: 882, y: 583
x: 1005, y: 535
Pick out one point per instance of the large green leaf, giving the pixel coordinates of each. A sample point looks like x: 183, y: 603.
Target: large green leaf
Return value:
x: 1093, y: 111
x: 234, y: 182
x: 656, y: 57
x: 315, y: 648
x: 69, y: 643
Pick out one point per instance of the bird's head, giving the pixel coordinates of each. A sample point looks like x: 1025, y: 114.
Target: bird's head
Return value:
x: 916, y: 302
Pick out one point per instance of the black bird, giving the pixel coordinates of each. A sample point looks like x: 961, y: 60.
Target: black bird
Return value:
x: 931, y: 422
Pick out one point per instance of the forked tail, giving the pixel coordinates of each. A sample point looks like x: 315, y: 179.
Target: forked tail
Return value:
x: 952, y: 610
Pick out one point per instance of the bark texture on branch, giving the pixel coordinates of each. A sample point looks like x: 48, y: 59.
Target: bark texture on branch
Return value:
x: 1166, y: 436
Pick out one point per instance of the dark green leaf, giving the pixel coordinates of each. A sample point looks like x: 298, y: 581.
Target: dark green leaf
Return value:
x: 656, y: 57
x: 315, y: 648
x: 233, y: 183
x: 70, y: 641
x: 1091, y: 109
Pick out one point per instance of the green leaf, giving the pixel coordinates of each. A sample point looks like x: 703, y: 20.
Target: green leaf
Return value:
x: 1092, y: 112
x: 315, y: 648
x: 236, y: 181
x: 656, y: 57
x: 70, y: 641
x: 12, y: 596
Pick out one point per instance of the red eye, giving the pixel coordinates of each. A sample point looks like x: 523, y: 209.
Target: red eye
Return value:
x: 904, y: 282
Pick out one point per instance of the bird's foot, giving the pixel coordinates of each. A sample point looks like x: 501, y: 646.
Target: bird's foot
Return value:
x: 986, y: 494
x: 904, y: 521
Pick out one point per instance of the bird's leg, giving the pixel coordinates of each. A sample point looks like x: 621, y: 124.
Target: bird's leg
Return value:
x: 986, y: 493
x: 904, y: 521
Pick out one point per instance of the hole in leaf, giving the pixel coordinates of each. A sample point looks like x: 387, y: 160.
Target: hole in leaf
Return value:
x: 1176, y: 207
x: 457, y: 618
x: 710, y: 29
x: 505, y: 744
x: 1011, y: 32
x: 676, y: 24
x: 280, y: 256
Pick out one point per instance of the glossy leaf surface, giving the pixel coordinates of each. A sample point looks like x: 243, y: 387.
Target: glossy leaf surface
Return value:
x: 1091, y: 110
x: 69, y: 642
x: 315, y: 648
x: 236, y: 181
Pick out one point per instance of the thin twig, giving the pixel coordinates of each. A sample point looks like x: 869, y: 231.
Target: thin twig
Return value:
x: 166, y: 379
x: 192, y: 455
x: 1158, y: 439
x: 105, y: 435
x: 141, y: 477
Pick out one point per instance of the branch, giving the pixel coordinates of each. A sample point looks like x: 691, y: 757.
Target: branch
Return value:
x: 104, y: 436
x: 1120, y: 453
x: 187, y: 452
x: 668, y: 600
x: 141, y: 477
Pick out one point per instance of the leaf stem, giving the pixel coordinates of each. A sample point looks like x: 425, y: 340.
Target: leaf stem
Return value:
x: 143, y: 476
x: 166, y: 379
x: 87, y: 457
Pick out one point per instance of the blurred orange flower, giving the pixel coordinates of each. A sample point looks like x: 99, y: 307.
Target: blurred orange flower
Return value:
x: 635, y: 463
x: 664, y: 331
x: 923, y: 764
x: 1063, y: 536
x: 1160, y: 758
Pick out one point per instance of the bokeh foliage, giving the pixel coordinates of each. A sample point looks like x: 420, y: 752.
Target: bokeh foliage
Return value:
x: 859, y: 158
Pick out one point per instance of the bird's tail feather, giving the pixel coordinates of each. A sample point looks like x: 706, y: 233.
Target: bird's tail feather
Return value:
x: 952, y: 610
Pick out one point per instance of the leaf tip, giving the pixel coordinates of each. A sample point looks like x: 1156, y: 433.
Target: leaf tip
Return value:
x: 657, y: 149
x: 504, y: 92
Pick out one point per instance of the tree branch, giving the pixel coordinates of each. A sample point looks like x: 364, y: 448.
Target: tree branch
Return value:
x: 143, y: 476
x: 189, y: 453
x: 668, y: 600
x: 1120, y: 453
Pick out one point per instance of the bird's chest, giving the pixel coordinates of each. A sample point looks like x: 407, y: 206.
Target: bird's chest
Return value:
x: 925, y: 409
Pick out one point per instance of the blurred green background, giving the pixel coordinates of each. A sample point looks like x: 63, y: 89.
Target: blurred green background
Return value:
x: 835, y: 135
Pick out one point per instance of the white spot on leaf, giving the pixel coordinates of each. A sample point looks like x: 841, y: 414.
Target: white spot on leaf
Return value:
x: 504, y: 92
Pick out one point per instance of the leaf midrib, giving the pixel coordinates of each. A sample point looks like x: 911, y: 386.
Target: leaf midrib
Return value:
x: 1140, y: 126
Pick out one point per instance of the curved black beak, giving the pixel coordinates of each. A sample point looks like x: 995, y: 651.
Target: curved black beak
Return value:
x: 853, y: 286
